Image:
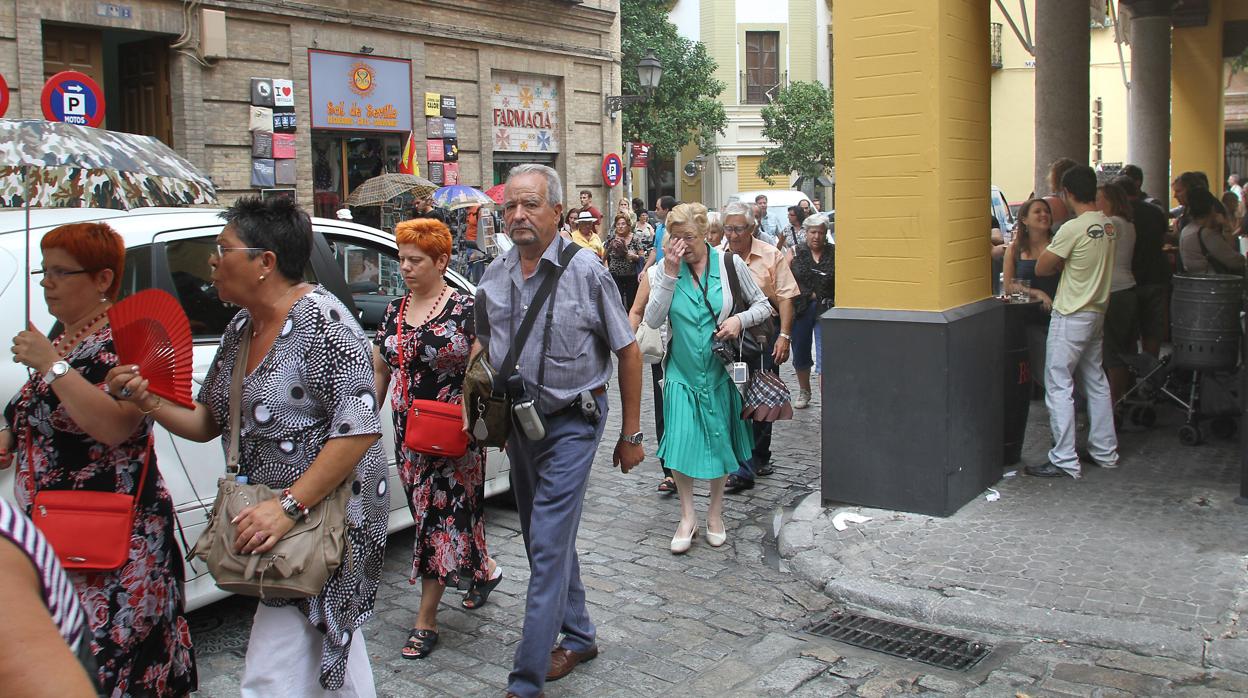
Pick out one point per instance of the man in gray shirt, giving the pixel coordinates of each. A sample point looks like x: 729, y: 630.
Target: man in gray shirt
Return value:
x: 567, y: 353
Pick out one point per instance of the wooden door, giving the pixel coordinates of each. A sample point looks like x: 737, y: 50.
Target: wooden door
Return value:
x: 143, y: 72
x: 73, y: 48
x: 762, y: 65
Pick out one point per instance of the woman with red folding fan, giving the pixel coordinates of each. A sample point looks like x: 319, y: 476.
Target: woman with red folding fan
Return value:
x: 67, y: 433
x: 423, y: 341
x: 307, y: 423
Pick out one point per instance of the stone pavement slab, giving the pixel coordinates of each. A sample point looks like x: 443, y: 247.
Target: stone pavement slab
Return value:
x: 1151, y: 556
x: 716, y: 622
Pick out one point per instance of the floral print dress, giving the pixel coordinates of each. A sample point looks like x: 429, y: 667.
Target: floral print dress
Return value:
x: 140, y: 638
x: 446, y: 495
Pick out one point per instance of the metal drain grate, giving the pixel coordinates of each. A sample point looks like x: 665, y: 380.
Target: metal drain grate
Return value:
x: 907, y: 642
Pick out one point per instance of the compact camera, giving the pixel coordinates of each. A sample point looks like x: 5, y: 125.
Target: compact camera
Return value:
x: 524, y: 408
x: 726, y: 352
x: 740, y: 373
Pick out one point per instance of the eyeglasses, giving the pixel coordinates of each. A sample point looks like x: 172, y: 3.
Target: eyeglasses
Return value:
x: 736, y: 229
x: 222, y: 250
x: 57, y: 274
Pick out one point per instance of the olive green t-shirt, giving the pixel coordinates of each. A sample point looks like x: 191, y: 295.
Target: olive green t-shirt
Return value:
x: 1087, y: 244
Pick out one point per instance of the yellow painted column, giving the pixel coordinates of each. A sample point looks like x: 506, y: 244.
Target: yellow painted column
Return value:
x: 1197, y: 130
x: 912, y: 153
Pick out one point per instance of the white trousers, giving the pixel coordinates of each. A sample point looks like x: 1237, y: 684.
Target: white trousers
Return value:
x: 1074, y: 346
x: 284, y: 659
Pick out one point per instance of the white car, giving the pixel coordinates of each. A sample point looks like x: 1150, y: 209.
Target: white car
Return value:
x: 168, y: 248
x: 778, y: 202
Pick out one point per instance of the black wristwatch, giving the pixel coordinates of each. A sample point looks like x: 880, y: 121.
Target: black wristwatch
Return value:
x: 634, y: 439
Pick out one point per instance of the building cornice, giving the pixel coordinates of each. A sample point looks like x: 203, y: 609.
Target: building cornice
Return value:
x: 535, y: 9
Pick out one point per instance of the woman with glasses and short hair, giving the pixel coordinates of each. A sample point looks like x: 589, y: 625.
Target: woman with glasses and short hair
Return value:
x: 308, y: 424
x: 67, y: 432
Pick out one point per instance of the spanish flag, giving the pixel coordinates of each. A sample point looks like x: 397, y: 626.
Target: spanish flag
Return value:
x: 409, y: 164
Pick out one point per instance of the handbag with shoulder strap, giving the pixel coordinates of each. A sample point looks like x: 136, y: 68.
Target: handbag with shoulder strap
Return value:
x: 300, y: 564
x: 89, y: 530
x: 433, y: 427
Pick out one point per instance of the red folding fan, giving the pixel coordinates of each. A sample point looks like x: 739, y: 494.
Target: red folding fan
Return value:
x: 151, y: 331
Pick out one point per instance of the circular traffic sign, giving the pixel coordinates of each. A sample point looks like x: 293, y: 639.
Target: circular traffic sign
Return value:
x: 612, y: 169
x: 73, y: 98
x: 4, y: 96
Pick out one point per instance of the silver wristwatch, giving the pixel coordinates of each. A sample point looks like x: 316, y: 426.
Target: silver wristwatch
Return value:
x: 57, y: 370
x: 634, y: 439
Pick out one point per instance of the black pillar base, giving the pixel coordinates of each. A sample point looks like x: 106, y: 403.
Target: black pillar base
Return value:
x: 912, y: 406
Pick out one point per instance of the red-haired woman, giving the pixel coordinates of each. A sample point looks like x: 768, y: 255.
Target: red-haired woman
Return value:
x: 446, y: 495
x: 68, y: 433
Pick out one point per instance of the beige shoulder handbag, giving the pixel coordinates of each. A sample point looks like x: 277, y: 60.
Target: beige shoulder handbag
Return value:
x: 303, y: 560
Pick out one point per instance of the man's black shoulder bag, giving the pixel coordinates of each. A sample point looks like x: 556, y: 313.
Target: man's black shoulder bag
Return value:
x: 486, y: 393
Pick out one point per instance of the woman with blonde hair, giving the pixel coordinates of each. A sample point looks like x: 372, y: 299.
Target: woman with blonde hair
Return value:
x: 424, y: 340
x: 704, y: 436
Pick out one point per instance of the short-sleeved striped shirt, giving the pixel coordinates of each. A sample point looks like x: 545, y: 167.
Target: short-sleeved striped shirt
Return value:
x: 57, y: 589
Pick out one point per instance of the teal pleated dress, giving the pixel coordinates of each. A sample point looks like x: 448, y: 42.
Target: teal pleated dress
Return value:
x: 704, y: 436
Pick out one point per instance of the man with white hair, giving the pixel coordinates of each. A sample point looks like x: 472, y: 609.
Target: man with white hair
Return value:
x: 563, y: 368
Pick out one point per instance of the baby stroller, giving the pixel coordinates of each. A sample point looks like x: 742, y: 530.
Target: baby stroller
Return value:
x: 1201, y: 375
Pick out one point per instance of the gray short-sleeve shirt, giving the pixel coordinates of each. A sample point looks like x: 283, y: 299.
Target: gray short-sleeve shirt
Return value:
x: 588, y: 323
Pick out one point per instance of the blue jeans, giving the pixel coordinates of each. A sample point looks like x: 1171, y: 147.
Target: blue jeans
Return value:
x: 549, y: 477
x: 806, y: 328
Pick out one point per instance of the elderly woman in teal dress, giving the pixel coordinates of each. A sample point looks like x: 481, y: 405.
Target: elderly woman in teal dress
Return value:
x: 704, y: 437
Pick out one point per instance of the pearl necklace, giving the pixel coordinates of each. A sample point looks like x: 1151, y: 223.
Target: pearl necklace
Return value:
x: 78, y: 336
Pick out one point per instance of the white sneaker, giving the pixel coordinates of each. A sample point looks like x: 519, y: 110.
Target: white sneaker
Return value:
x: 802, y: 401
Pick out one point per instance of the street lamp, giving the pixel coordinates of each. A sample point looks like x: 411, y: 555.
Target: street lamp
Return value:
x: 649, y: 72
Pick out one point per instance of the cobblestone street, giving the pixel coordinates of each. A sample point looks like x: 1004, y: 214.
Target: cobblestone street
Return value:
x: 710, y: 623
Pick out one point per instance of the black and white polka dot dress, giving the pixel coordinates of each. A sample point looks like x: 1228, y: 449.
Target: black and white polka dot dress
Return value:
x: 316, y: 383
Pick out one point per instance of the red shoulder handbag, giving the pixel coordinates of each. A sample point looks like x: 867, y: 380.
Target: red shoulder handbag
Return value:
x: 88, y: 530
x: 434, y: 428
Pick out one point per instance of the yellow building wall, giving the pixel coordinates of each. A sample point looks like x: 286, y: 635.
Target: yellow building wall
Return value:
x: 911, y: 80
x: 803, y: 46
x: 1013, y: 103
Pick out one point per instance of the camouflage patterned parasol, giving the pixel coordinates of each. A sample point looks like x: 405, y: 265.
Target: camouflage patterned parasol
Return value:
x: 51, y: 164
x: 55, y: 165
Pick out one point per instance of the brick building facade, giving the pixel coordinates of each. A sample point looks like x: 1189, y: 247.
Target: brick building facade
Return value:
x: 148, y: 57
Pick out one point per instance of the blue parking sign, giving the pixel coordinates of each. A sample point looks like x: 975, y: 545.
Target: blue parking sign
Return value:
x: 73, y: 98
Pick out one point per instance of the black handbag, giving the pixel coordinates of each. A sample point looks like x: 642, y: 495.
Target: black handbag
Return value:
x: 754, y: 339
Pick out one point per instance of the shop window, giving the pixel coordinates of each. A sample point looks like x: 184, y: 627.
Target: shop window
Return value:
x: 762, y: 66
x: 342, y: 163
x: 192, y: 283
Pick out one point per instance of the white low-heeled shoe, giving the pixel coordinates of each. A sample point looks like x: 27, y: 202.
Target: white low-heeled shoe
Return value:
x: 716, y: 539
x: 681, y: 545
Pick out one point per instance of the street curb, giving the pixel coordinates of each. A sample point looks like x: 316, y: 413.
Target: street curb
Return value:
x: 994, y: 617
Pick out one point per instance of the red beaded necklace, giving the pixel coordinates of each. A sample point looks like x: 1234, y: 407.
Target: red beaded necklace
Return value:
x: 432, y: 310
x: 78, y: 336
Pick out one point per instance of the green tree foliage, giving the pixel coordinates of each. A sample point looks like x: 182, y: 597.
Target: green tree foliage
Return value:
x: 684, y: 108
x: 801, y: 124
